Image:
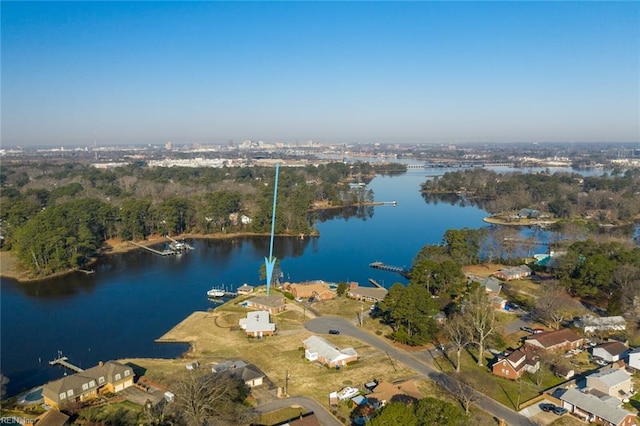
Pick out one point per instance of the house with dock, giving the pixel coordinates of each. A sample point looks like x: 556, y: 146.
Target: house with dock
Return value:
x: 108, y: 377
x: 368, y: 294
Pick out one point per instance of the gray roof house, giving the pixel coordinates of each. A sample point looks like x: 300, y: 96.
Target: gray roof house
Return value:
x: 593, y: 409
x: 251, y: 375
x: 612, y: 381
x: 110, y: 376
x: 319, y: 349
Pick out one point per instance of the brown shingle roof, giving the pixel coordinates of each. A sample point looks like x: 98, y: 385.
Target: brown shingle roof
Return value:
x: 549, y: 339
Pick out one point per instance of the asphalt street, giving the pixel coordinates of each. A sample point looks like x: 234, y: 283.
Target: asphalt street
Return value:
x: 322, y: 325
x: 324, y: 417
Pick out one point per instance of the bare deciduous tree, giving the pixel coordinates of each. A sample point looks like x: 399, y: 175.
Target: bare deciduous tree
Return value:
x: 202, y: 398
x: 461, y: 389
x: 553, y: 305
x: 459, y: 335
x: 480, y: 317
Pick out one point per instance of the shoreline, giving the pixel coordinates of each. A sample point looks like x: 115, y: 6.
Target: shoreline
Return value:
x: 497, y: 221
x: 10, y: 267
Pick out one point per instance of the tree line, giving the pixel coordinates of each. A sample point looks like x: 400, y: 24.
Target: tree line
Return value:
x: 56, y: 216
x: 608, y: 199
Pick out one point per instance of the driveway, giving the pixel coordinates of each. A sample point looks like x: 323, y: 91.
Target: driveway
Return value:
x: 324, y: 324
x: 324, y: 417
x: 540, y: 417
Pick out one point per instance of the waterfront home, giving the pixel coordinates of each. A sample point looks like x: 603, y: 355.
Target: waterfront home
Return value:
x: 515, y: 273
x: 257, y: 324
x: 318, y: 290
x: 610, y: 351
x: 513, y: 365
x: 245, y: 289
x: 319, y: 349
x: 590, y: 408
x: 558, y: 340
x: 368, y: 294
x: 614, y: 382
x: 108, y: 377
x: 492, y: 285
x: 591, y: 324
x: 273, y: 304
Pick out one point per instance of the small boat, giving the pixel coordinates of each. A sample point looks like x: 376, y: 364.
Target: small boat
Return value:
x: 215, y: 292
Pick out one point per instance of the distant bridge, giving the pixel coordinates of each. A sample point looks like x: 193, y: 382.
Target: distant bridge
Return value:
x: 457, y: 165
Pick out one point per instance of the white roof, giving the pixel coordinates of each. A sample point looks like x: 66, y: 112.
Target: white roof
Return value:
x: 593, y: 404
x: 257, y: 321
x: 326, y: 350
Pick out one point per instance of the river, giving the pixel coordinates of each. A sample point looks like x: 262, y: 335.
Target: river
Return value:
x: 136, y: 297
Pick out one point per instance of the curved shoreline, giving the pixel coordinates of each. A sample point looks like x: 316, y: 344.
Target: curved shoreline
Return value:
x: 10, y: 267
x: 497, y: 221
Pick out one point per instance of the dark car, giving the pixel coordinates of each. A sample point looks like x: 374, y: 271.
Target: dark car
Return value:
x: 559, y: 411
x: 527, y: 329
x: 547, y: 407
x: 334, y: 331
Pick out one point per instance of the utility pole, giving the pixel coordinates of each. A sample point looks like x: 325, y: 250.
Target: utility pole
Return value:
x: 286, y: 383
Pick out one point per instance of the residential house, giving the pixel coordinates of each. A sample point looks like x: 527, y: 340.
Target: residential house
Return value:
x: 610, y: 351
x: 592, y: 409
x: 245, y: 289
x: 108, y: 377
x: 251, y: 375
x: 563, y: 371
x: 558, y: 340
x: 498, y: 302
x: 492, y: 285
x: 440, y: 318
x: 257, y: 324
x: 273, y: 304
x: 515, y: 273
x: 591, y: 324
x: 633, y: 359
x: 368, y: 294
x: 516, y: 363
x: 319, y: 349
x: 319, y: 290
x: 615, y: 382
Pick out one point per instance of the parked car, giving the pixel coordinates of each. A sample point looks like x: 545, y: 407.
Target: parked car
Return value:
x: 538, y: 330
x: 332, y: 331
x: 559, y: 411
x: 601, y: 362
x: 527, y: 329
x: 547, y: 407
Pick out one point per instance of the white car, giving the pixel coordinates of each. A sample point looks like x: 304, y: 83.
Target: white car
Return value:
x: 601, y: 362
x: 347, y: 393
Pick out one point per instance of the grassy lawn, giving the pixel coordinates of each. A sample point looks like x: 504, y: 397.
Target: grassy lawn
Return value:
x: 342, y: 307
x: 279, y: 416
x: 502, y: 390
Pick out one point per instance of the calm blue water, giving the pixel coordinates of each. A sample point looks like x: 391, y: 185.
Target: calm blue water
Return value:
x: 136, y: 297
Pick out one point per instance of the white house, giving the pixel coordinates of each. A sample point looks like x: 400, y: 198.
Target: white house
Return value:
x: 257, y: 324
x: 591, y: 323
x: 610, y: 351
x: 318, y: 349
x: 633, y: 359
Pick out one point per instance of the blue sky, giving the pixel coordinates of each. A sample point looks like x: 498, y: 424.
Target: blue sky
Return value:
x: 407, y: 72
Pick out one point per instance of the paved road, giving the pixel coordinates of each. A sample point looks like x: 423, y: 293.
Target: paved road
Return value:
x: 324, y: 324
x: 324, y: 417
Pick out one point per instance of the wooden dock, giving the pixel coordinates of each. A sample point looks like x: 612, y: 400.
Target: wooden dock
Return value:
x: 64, y: 361
x: 390, y: 268
x: 375, y: 283
x: 161, y: 253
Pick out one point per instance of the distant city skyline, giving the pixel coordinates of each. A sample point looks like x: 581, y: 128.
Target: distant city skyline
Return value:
x: 79, y: 73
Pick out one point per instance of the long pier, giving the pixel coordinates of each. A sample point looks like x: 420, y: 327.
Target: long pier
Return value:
x: 390, y: 268
x: 161, y: 253
x: 64, y: 361
x: 375, y: 283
